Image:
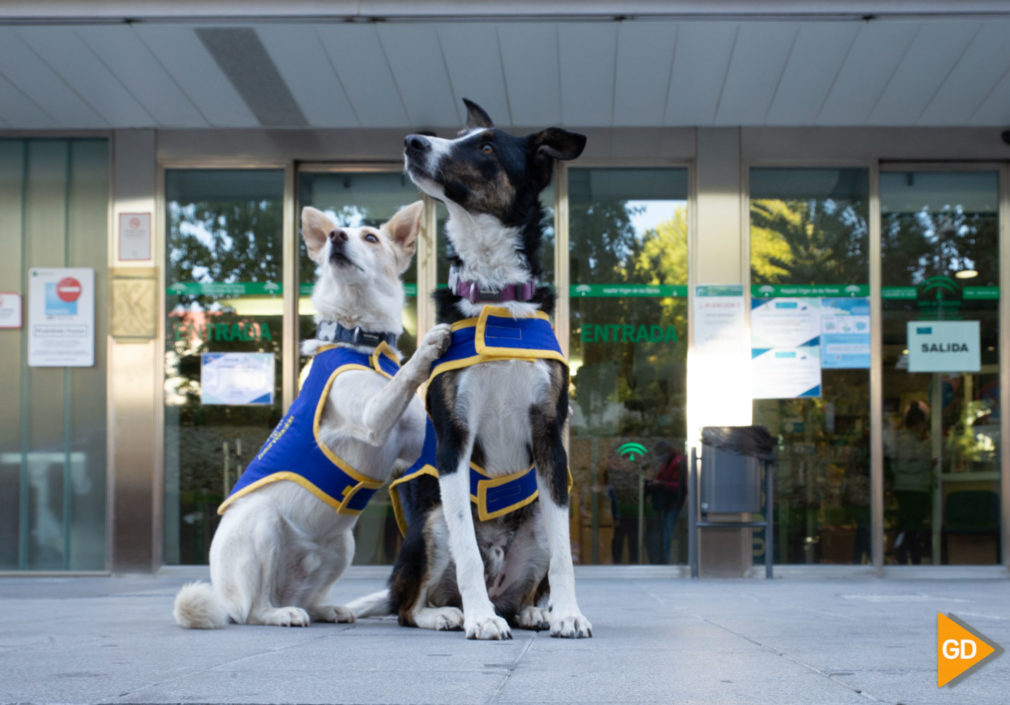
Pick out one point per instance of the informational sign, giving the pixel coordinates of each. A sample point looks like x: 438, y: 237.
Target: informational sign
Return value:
x: 785, y: 348
x: 944, y: 346
x: 10, y: 310
x: 61, y: 317
x: 720, y: 376
x: 135, y: 236
x: 719, y: 319
x: 845, y: 333
x: 237, y: 378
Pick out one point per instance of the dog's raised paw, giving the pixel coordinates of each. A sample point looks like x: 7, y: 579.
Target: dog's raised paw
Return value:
x: 573, y: 626
x: 489, y: 628
x: 437, y: 339
x: 332, y: 613
x: 533, y: 617
x: 285, y: 617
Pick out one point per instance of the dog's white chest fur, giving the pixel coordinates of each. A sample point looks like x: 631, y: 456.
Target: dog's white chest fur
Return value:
x: 497, y: 397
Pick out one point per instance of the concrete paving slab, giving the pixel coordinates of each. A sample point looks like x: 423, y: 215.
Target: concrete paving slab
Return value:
x: 657, y: 640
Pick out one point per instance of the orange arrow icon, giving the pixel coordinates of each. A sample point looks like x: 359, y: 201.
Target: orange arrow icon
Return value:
x: 959, y: 649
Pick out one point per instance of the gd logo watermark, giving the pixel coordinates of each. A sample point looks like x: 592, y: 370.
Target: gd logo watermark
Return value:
x: 959, y: 649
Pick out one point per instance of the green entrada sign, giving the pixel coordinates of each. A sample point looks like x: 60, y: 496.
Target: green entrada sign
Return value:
x: 622, y: 333
x: 222, y: 332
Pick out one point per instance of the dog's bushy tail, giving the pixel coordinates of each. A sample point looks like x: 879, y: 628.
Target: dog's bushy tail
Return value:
x: 197, y: 606
x: 375, y: 605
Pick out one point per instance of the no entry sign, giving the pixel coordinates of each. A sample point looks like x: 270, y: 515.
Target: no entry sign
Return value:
x: 68, y: 289
x: 61, y: 317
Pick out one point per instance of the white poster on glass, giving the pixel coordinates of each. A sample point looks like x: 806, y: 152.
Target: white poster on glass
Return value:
x: 944, y: 346
x: 237, y: 378
x: 785, y: 348
x: 61, y: 317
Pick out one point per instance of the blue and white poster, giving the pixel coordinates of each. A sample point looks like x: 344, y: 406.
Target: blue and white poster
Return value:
x: 237, y: 378
x: 785, y: 348
x: 845, y: 334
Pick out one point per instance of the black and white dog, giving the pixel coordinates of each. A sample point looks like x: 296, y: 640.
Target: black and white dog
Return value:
x: 500, y: 416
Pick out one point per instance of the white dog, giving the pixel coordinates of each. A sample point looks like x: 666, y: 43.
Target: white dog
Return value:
x: 286, y: 534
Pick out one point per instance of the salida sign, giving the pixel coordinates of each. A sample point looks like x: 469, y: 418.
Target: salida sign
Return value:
x: 944, y: 346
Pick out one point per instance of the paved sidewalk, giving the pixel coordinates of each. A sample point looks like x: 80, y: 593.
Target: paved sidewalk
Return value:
x: 656, y: 640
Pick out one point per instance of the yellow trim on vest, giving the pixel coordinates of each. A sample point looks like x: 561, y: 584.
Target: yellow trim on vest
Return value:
x: 340, y: 507
x: 487, y: 353
x: 394, y: 497
x: 484, y: 485
x: 480, y: 500
x: 485, y: 350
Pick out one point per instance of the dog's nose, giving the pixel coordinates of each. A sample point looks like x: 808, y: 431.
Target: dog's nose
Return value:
x: 416, y: 143
x: 338, y: 234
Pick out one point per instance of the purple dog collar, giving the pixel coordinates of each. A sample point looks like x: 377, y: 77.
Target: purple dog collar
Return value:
x: 472, y: 292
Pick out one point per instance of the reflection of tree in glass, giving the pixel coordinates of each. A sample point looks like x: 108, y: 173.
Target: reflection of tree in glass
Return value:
x: 225, y: 241
x: 624, y: 386
x: 815, y: 241
x: 927, y: 243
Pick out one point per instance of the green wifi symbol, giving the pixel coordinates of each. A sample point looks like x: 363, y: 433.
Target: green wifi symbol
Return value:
x: 631, y: 450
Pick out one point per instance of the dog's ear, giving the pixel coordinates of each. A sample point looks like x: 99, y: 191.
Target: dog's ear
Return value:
x: 558, y: 144
x: 403, y: 229
x: 475, y: 115
x: 316, y: 227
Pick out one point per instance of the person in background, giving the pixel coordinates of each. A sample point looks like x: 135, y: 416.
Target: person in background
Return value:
x: 912, y: 483
x: 668, y: 488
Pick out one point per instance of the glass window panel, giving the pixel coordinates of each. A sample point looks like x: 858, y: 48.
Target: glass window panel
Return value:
x: 224, y: 230
x: 809, y: 241
x: 354, y: 199
x: 54, y: 201
x: 628, y: 259
x: 940, y: 261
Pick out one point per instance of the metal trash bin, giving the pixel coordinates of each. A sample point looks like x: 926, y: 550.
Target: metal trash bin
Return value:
x: 731, y: 463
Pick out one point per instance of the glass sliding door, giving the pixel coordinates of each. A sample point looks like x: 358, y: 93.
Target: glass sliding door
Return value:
x: 810, y: 328
x: 940, y: 301
x: 223, y: 340
x: 628, y: 260
x: 355, y: 198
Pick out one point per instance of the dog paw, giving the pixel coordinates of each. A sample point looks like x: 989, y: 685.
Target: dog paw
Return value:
x: 285, y: 617
x: 436, y: 340
x: 572, y: 626
x: 492, y: 627
x: 533, y: 617
x: 332, y: 613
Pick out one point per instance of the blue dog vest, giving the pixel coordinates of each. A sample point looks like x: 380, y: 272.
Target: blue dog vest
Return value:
x: 294, y: 452
x: 494, y: 496
x: 497, y: 335
x: 494, y: 335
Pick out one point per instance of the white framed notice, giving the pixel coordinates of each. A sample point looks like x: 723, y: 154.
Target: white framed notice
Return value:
x: 237, y: 378
x: 944, y: 346
x: 135, y: 237
x: 10, y: 309
x: 61, y: 317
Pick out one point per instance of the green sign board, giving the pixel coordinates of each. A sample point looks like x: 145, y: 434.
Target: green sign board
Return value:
x: 596, y: 291
x: 237, y: 289
x: 772, y: 291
